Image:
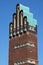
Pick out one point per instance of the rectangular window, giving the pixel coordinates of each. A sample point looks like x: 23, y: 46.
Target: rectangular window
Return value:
x: 25, y: 44
x: 24, y: 62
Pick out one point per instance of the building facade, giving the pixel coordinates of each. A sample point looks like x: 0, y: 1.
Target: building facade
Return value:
x: 23, y: 37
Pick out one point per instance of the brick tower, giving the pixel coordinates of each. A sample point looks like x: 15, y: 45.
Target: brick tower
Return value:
x: 23, y: 38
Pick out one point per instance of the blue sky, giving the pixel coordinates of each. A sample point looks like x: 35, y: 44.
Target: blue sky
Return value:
x: 7, y: 8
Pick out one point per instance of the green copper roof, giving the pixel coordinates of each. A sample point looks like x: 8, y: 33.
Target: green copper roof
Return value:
x: 32, y: 22
x: 24, y: 8
x: 26, y: 12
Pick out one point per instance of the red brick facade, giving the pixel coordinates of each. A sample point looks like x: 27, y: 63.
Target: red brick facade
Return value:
x: 24, y: 52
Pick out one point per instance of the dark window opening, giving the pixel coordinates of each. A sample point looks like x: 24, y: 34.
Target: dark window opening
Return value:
x: 31, y: 64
